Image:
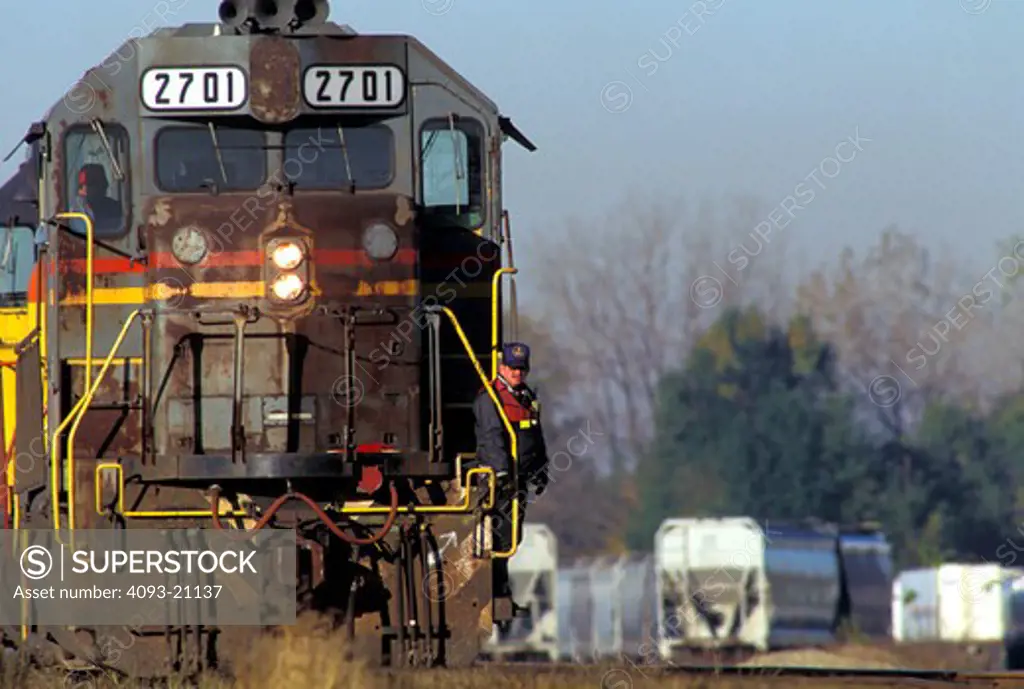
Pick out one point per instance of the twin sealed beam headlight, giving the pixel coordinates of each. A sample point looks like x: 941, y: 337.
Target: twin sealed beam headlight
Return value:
x: 287, y: 255
x: 288, y: 287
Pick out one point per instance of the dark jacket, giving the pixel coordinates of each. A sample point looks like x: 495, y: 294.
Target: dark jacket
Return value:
x: 492, y: 442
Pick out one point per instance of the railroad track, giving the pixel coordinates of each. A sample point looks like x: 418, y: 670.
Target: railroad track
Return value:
x: 628, y: 675
x: 632, y: 676
x: 937, y: 677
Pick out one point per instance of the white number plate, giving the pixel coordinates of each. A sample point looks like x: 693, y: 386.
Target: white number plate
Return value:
x: 194, y: 88
x: 351, y: 86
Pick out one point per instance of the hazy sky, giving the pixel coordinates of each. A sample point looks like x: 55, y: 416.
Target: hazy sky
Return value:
x: 726, y: 97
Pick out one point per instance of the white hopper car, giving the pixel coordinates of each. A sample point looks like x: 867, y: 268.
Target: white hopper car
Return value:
x: 533, y: 576
x: 607, y: 608
x: 709, y: 584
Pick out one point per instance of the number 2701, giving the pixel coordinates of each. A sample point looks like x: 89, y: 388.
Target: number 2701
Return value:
x: 368, y: 83
x: 212, y: 83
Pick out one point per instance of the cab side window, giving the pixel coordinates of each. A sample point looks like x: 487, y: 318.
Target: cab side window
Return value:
x: 92, y: 181
x: 17, y: 258
x: 452, y: 171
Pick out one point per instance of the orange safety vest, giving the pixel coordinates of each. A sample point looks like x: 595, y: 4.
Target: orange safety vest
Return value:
x: 522, y: 413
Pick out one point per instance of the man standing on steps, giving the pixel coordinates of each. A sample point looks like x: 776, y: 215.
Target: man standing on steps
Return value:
x: 493, y: 448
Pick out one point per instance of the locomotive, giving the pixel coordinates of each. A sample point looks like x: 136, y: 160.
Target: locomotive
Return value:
x: 254, y: 275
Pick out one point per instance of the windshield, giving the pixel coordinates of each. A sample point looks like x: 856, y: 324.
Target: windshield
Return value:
x: 17, y: 256
x: 193, y: 159
x: 336, y: 157
x: 96, y: 169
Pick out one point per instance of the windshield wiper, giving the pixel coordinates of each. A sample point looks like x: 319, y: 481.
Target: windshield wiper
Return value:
x: 458, y: 163
x: 99, y: 129
x: 5, y: 261
x: 216, y: 150
x: 348, y: 166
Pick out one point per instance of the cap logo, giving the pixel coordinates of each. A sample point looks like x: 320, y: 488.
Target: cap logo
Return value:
x: 517, y: 351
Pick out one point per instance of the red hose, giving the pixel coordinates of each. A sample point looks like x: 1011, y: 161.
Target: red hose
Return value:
x: 279, y: 502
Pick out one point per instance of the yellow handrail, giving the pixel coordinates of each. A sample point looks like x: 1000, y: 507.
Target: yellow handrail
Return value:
x: 508, y: 427
x: 88, y: 289
x: 494, y: 317
x: 75, y: 417
x: 465, y: 507
x: 166, y: 514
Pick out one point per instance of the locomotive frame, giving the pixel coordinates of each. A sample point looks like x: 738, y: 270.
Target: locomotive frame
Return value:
x: 173, y: 368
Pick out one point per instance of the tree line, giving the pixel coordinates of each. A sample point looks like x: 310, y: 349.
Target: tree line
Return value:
x: 871, y: 390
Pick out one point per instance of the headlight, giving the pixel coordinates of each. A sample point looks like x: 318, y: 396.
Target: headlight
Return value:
x: 380, y: 242
x: 287, y: 255
x: 288, y: 287
x: 189, y: 245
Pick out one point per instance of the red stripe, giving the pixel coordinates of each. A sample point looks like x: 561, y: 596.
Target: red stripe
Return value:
x: 222, y: 259
x: 371, y: 448
x: 250, y: 258
x: 105, y: 265
x: 358, y: 257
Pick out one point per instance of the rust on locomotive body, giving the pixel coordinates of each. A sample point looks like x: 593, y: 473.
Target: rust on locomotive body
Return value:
x: 291, y: 211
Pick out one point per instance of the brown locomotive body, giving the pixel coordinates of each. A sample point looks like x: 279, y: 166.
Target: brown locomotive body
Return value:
x: 285, y: 291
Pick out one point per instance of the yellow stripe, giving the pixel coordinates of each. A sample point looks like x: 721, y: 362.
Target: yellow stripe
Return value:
x: 118, y: 361
x: 388, y: 288
x: 256, y: 289
x: 229, y: 290
x: 162, y: 292
x: 108, y: 296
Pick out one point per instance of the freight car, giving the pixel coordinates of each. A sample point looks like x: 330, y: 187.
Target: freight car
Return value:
x: 533, y: 633
x: 1013, y: 623
x: 866, y: 557
x: 256, y: 283
x: 607, y: 608
x: 958, y: 606
x: 737, y: 586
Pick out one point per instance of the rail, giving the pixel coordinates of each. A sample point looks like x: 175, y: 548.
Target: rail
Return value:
x: 495, y: 304
x: 765, y: 673
x: 504, y: 419
x: 147, y: 514
x: 463, y: 508
x: 89, y: 240
x: 957, y: 677
x: 74, y: 418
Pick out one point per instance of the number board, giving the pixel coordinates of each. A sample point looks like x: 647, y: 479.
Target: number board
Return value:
x: 354, y: 86
x: 194, y: 88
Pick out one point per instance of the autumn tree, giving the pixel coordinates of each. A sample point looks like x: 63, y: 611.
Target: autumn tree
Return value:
x: 627, y: 295
x: 756, y: 424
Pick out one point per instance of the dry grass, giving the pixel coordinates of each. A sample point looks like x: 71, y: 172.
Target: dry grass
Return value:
x: 308, y: 656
